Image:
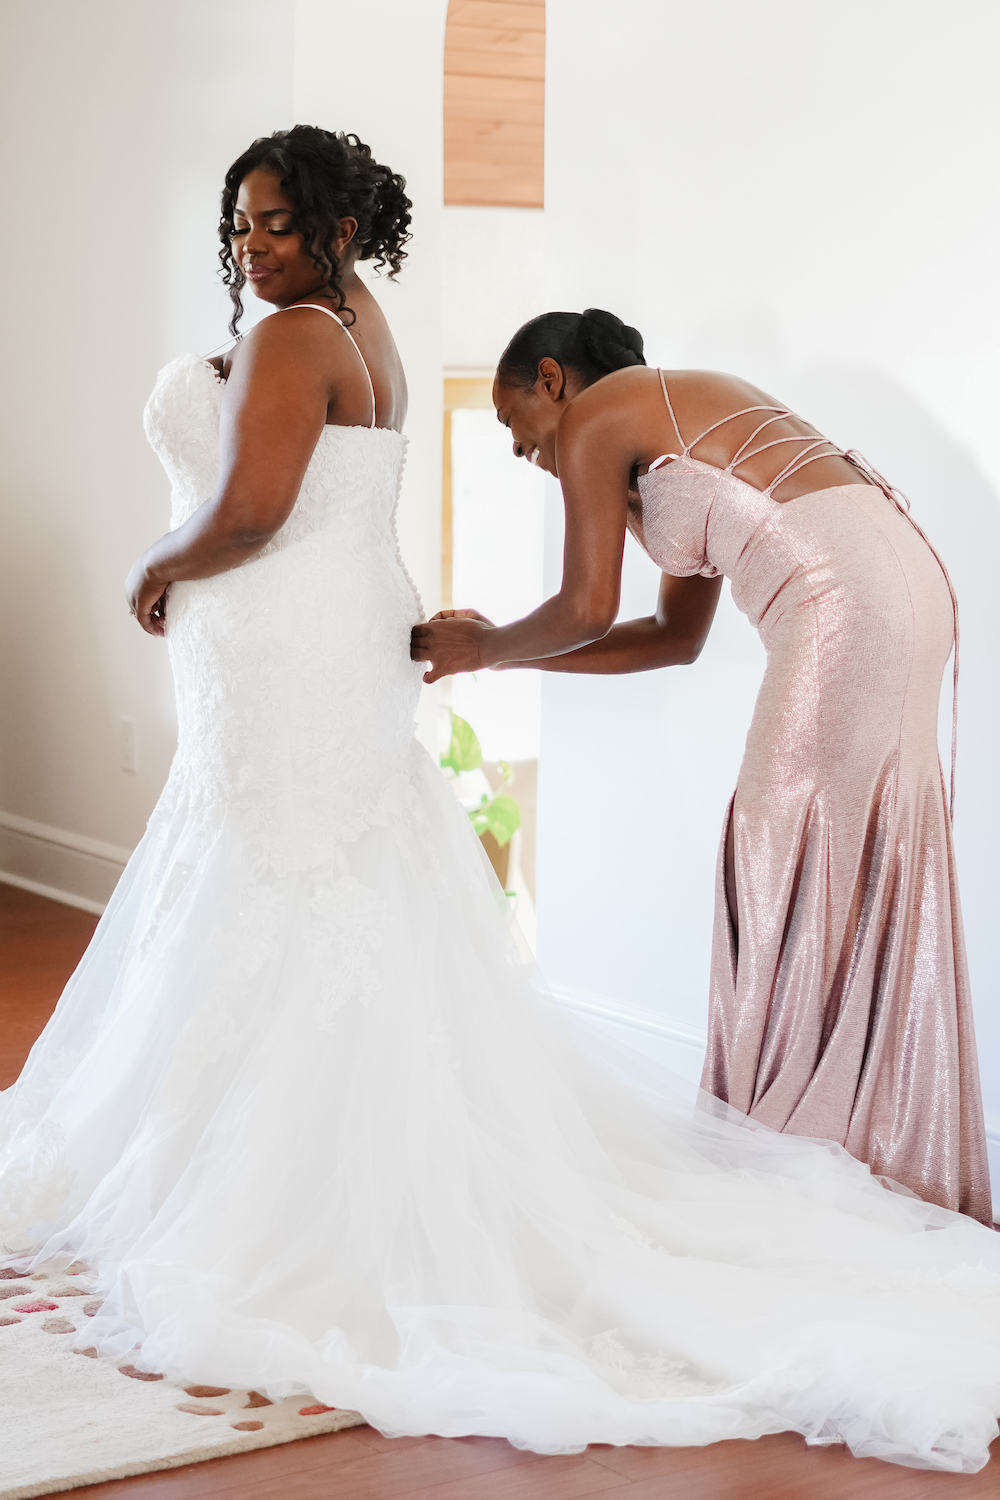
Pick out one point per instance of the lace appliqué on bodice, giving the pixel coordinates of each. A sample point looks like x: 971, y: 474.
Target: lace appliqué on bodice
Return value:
x: 295, y: 700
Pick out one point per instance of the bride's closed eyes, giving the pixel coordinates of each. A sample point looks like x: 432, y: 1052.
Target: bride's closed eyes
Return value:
x: 241, y: 228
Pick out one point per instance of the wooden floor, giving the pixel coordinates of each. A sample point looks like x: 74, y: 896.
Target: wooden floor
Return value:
x: 41, y: 942
x: 40, y: 945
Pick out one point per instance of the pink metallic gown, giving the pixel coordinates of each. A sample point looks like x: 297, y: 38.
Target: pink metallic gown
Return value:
x: 839, y: 996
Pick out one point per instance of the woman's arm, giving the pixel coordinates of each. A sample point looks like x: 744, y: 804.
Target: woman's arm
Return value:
x: 273, y: 411
x: 595, y: 455
x: 673, y: 637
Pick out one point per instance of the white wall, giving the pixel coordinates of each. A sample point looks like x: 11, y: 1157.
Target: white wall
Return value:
x: 123, y: 117
x: 803, y: 194
x: 492, y: 279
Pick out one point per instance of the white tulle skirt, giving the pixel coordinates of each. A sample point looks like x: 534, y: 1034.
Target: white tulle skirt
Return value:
x: 323, y: 1133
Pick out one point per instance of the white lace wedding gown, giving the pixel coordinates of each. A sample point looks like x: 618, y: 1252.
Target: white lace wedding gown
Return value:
x: 302, y: 1107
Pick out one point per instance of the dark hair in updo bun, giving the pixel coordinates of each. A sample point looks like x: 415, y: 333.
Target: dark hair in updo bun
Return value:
x: 329, y: 176
x: 593, y: 343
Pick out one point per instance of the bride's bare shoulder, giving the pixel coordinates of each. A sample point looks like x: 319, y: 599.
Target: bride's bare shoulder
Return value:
x: 296, y: 344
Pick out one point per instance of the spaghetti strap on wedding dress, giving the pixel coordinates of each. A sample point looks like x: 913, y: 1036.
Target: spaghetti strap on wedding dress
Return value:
x: 840, y: 995
x: 318, y: 307
x: 308, y: 1117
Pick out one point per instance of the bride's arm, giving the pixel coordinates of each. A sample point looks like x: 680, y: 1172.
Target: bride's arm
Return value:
x: 273, y: 412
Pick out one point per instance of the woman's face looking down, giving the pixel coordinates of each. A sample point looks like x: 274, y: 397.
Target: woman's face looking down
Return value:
x: 532, y: 414
x: 272, y: 254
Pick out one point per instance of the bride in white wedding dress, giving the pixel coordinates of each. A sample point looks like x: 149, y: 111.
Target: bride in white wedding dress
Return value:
x: 302, y: 1108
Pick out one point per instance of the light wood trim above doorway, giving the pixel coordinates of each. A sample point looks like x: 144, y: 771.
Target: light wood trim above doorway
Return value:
x: 494, y: 103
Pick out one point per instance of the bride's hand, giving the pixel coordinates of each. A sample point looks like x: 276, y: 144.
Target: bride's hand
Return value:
x: 454, y: 641
x: 147, y: 600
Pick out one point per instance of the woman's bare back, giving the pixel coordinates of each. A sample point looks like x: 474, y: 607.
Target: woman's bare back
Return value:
x: 703, y: 398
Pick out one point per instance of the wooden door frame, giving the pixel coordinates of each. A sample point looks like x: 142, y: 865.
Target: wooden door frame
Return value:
x: 464, y: 393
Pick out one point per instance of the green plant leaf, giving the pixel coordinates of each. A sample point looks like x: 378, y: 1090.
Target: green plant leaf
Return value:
x: 501, y: 816
x: 465, y: 752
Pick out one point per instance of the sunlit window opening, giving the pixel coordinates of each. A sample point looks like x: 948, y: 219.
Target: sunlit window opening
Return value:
x: 492, y: 561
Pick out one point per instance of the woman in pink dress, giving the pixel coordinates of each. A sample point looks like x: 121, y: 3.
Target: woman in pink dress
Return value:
x: 839, y: 994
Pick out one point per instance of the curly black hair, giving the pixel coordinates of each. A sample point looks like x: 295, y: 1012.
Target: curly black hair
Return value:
x: 593, y: 343
x: 329, y: 176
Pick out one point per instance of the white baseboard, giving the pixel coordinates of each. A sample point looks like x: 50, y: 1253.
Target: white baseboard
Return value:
x: 604, y: 1010
x: 53, y: 862
x: 53, y: 893
x: 673, y: 1044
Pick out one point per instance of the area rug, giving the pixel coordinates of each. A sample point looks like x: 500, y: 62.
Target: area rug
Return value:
x: 68, y: 1418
